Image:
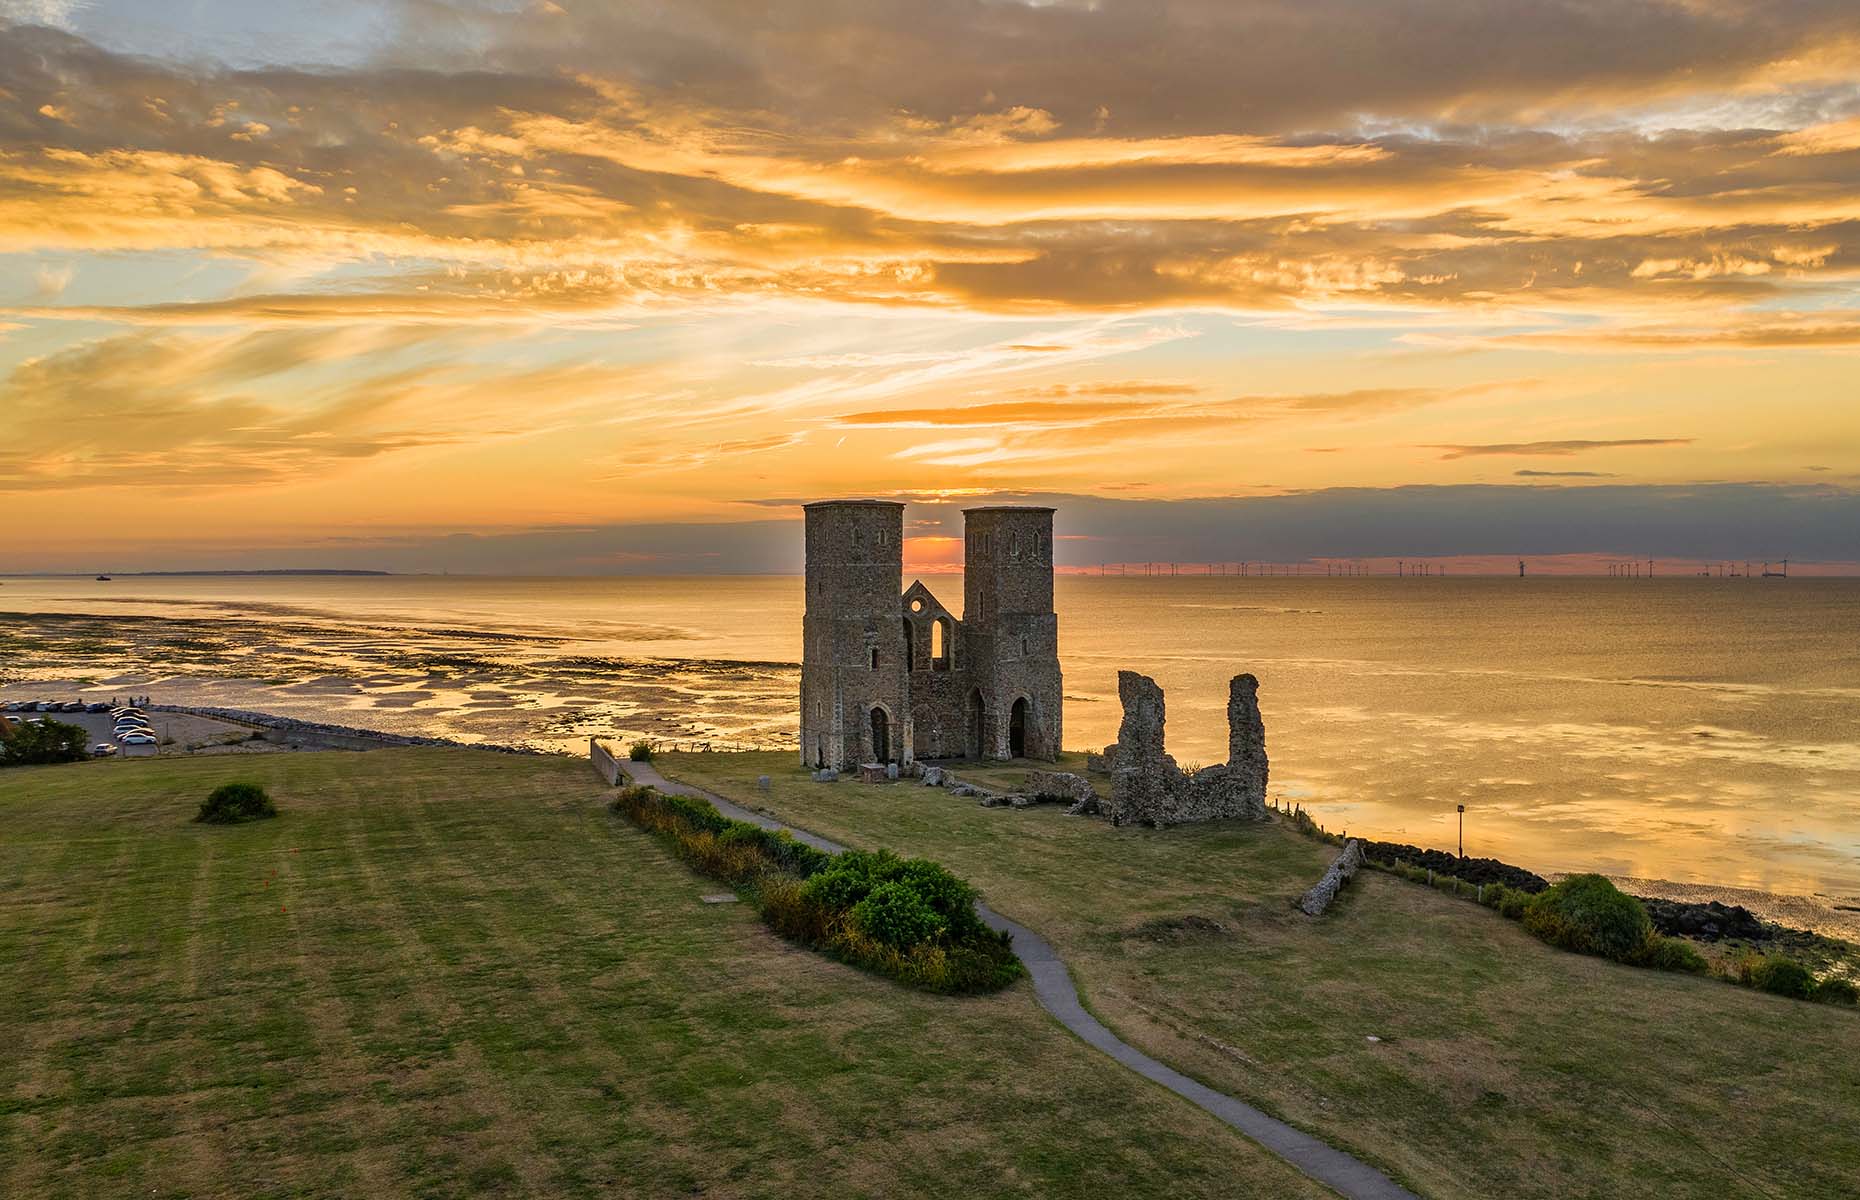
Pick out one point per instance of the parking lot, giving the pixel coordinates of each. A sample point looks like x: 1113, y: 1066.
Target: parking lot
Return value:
x: 175, y: 733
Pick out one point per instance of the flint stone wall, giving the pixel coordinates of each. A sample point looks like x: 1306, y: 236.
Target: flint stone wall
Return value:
x: 1148, y: 788
x: 1060, y: 786
x: 1342, y: 868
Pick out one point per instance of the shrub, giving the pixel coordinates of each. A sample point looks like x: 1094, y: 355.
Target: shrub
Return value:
x: 232, y: 803
x: 909, y: 919
x: 1589, y: 915
x: 1778, y: 976
x: 640, y: 751
x: 895, y: 914
x: 1672, y: 954
x: 1836, y: 991
x: 42, y: 743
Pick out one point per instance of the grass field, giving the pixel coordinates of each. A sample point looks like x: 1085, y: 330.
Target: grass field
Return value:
x: 449, y: 973
x: 1504, y: 1069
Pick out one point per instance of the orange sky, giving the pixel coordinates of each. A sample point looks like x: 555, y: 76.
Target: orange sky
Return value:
x: 280, y: 280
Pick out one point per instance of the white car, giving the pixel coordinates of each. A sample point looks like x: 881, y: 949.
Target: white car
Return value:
x: 102, y: 750
x: 137, y: 739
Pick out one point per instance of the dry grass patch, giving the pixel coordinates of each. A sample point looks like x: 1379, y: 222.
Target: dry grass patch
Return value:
x: 451, y: 973
x: 1504, y: 1067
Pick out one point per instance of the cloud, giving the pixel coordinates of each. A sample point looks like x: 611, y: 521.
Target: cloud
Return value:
x: 1559, y: 449
x: 1529, y: 474
x: 578, y: 164
x: 1164, y: 405
x: 158, y: 410
x: 1715, y: 521
x: 49, y: 282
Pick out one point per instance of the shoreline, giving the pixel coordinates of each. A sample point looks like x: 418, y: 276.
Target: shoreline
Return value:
x: 1829, y: 914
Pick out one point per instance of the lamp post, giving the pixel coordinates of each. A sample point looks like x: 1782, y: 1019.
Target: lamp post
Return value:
x: 1462, y: 809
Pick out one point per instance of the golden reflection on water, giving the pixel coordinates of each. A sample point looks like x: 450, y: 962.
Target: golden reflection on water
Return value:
x: 1687, y: 729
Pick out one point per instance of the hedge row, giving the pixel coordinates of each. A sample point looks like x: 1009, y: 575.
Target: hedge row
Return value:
x: 1589, y: 915
x: 909, y: 919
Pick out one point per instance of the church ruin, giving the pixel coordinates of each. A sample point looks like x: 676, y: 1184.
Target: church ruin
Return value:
x: 889, y: 675
x: 1148, y: 788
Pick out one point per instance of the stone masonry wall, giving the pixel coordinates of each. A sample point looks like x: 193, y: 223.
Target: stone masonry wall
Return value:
x: 1148, y: 788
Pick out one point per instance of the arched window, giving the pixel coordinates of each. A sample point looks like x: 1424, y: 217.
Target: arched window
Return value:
x: 939, y: 646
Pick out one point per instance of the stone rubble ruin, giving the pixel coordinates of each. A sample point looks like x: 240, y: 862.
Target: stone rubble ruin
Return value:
x: 1342, y: 868
x: 1148, y: 788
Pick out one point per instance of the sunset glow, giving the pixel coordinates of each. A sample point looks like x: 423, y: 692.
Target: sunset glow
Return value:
x: 342, y: 284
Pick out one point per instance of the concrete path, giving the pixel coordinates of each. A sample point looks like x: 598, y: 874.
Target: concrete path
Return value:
x: 1053, y: 987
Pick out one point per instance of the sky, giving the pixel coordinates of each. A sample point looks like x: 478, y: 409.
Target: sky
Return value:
x: 539, y: 286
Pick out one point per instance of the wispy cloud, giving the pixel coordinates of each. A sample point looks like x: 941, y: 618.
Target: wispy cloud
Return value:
x: 1556, y: 449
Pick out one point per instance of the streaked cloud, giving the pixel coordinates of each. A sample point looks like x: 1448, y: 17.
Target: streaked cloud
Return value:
x: 1561, y: 449
x: 547, y: 265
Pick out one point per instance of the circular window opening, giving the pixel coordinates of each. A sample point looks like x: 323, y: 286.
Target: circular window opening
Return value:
x: 917, y: 606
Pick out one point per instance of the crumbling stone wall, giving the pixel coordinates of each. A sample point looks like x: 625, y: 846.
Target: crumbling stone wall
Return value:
x: 1148, y: 788
x: 1342, y: 869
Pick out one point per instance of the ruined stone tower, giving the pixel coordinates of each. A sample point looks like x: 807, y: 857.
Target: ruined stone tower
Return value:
x: 890, y: 677
x: 852, y: 659
x: 1012, y: 632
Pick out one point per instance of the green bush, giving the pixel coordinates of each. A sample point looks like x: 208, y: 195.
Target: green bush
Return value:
x: 640, y: 751
x: 42, y: 743
x: 896, y: 915
x: 1778, y: 976
x: 1589, y: 915
x: 232, y: 803
x: 1672, y: 954
x: 905, y: 918
x: 1836, y: 991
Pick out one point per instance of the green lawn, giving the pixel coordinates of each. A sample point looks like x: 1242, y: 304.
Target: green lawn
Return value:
x: 449, y: 973
x: 1504, y: 1069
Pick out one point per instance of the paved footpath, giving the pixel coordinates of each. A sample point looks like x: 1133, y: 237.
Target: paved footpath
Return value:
x: 1052, y: 986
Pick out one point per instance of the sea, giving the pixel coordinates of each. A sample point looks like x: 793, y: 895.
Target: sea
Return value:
x: 1682, y: 729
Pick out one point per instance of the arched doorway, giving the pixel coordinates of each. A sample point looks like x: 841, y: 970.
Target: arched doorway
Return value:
x: 881, y: 736
x: 1017, y: 729
x: 978, y: 726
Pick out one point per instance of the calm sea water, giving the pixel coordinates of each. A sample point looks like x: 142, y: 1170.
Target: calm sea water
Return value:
x: 1686, y: 729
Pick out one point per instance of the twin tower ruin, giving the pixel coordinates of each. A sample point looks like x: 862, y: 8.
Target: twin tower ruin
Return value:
x: 888, y: 675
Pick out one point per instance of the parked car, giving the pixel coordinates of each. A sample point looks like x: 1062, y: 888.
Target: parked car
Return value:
x: 138, y: 739
x: 102, y: 750
x: 98, y: 707
x: 134, y: 727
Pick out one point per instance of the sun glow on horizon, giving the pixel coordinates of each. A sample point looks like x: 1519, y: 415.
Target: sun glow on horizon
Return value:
x: 440, y: 269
